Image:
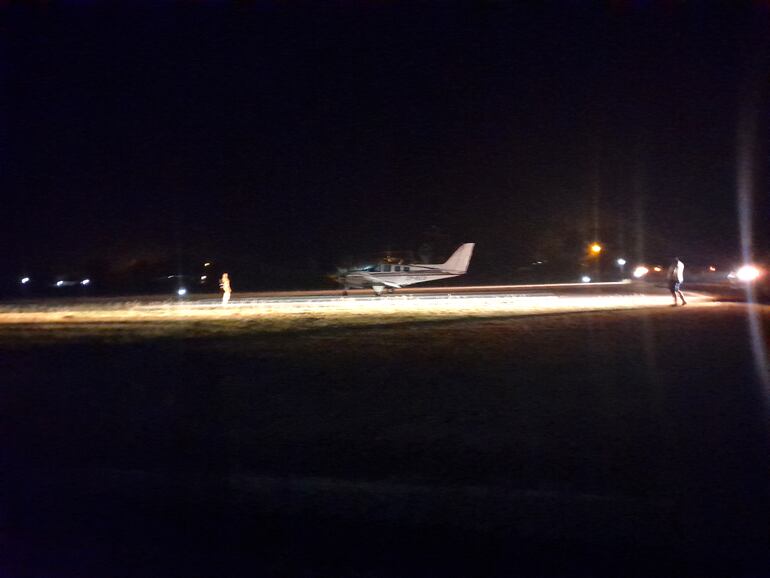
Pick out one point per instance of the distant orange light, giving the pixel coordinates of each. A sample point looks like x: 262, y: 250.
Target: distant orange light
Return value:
x: 712, y: 268
x: 596, y: 248
x: 658, y: 269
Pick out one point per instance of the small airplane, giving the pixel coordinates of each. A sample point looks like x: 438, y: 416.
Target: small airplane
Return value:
x: 389, y: 276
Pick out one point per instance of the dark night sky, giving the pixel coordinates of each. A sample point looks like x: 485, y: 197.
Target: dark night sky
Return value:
x: 273, y: 133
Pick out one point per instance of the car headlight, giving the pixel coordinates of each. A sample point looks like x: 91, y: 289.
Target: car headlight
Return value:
x: 748, y: 273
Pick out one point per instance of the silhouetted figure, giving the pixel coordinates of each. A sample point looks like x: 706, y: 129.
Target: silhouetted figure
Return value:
x: 224, y: 285
x: 675, y: 279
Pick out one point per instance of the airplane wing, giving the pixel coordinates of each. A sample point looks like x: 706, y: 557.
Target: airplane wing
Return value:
x: 375, y: 281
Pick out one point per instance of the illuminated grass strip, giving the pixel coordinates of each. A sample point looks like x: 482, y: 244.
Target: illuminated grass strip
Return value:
x: 385, y: 307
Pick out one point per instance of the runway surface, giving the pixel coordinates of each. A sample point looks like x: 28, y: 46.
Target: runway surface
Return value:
x: 407, y: 305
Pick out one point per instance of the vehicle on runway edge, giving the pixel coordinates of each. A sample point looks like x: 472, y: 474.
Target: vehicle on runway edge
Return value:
x: 389, y: 277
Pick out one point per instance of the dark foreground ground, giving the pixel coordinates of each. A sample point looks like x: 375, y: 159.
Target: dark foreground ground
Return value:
x: 629, y: 443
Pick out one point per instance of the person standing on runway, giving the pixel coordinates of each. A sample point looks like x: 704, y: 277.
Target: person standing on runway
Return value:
x: 675, y: 279
x: 224, y: 285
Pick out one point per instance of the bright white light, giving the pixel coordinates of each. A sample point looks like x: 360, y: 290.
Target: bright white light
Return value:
x: 621, y: 262
x: 59, y: 283
x: 585, y: 279
x: 748, y: 273
x: 203, y: 277
x: 182, y: 291
x: 207, y: 264
x: 24, y: 280
x: 85, y: 282
x: 712, y: 268
x: 641, y: 271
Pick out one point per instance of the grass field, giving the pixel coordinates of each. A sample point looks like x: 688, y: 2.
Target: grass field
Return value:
x: 618, y: 442
x: 131, y: 320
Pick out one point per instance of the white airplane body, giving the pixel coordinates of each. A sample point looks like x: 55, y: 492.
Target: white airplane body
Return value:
x: 394, y: 276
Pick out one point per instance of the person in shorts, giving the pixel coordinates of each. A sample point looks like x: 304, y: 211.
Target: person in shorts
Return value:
x: 675, y: 279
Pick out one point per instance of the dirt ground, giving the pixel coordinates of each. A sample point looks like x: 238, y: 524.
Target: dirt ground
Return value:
x: 629, y: 442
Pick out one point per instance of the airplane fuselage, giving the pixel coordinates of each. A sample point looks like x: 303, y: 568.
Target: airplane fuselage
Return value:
x: 407, y: 275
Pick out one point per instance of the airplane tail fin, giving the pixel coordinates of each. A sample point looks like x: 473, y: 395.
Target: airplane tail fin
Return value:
x: 458, y: 262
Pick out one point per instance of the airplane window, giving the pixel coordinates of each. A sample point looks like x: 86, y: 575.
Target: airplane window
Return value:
x: 386, y: 268
x: 398, y: 268
x: 406, y: 268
